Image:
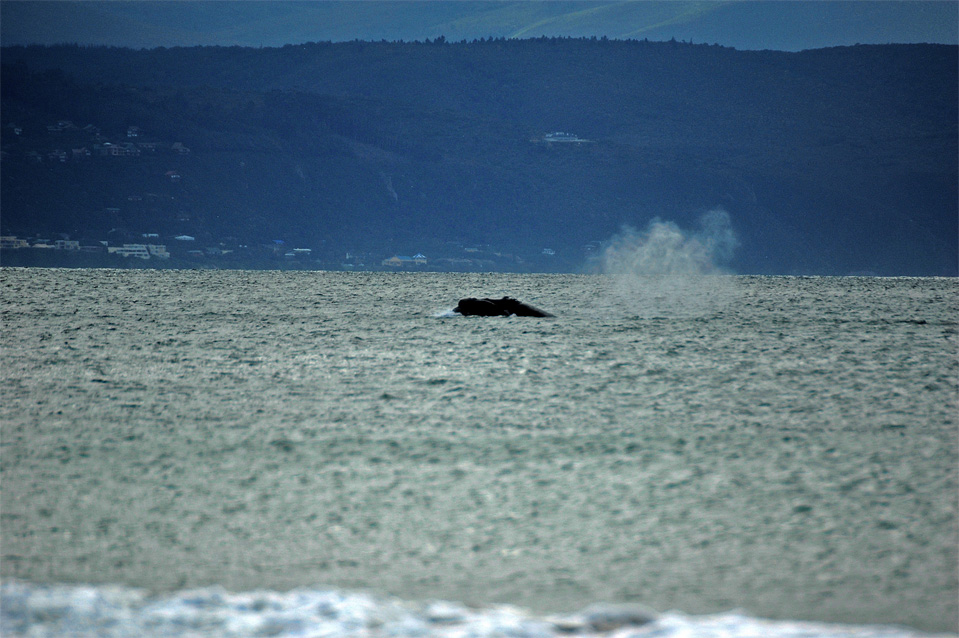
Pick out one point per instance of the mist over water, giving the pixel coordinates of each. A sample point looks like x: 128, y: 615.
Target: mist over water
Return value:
x: 664, y: 271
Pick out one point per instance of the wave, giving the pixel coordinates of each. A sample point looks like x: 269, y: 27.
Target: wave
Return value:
x: 28, y: 609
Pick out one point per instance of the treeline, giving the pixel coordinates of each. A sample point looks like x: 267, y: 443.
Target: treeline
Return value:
x: 828, y: 161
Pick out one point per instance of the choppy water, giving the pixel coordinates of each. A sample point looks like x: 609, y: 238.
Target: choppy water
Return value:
x: 785, y: 447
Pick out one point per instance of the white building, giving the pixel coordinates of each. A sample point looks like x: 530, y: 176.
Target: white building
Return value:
x: 158, y: 251
x: 130, y: 250
x: 13, y: 242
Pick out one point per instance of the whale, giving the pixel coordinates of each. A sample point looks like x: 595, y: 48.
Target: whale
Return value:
x: 505, y: 307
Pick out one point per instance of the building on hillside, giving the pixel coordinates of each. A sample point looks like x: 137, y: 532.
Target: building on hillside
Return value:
x: 401, y: 261
x: 109, y: 149
x: 559, y: 137
x: 9, y: 241
x: 158, y: 250
x: 66, y: 244
x: 130, y: 250
x: 62, y: 125
x: 398, y: 261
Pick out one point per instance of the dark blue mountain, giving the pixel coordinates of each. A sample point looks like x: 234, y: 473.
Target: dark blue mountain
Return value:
x: 828, y: 161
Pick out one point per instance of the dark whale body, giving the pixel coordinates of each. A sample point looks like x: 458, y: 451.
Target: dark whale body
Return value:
x: 505, y: 307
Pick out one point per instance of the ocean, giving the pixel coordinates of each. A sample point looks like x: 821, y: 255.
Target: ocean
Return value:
x: 238, y: 453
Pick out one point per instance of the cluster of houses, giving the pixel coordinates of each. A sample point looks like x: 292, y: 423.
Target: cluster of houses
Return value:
x: 186, y: 252
x: 142, y: 251
x: 131, y: 146
x: 151, y: 250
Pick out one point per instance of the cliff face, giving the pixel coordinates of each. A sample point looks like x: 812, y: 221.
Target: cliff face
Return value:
x: 828, y: 161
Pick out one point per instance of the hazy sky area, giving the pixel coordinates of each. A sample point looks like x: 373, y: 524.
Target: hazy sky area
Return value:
x: 781, y: 25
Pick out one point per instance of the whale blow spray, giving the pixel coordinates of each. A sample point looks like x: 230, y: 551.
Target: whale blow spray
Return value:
x: 664, y: 271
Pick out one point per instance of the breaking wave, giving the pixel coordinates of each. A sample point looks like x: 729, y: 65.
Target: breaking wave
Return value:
x: 116, y: 611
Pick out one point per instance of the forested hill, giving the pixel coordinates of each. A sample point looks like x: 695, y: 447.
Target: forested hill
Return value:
x: 828, y: 161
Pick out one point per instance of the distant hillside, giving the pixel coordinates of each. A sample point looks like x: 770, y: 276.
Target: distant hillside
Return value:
x: 789, y: 26
x: 828, y: 161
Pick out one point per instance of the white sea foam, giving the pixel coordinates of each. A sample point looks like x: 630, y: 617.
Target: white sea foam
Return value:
x: 114, y: 611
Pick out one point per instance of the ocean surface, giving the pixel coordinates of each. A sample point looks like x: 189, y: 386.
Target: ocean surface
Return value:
x: 231, y: 453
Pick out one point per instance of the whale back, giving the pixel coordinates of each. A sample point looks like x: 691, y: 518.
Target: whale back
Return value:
x: 505, y: 307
